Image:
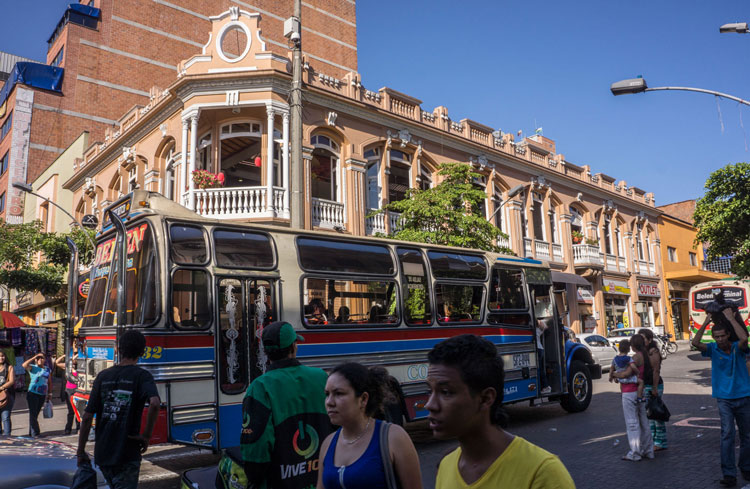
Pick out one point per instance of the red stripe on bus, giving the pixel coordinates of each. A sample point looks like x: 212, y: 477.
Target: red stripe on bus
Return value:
x: 314, y: 337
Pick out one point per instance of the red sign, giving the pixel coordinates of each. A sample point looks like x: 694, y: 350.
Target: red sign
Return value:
x: 646, y: 289
x: 83, y: 289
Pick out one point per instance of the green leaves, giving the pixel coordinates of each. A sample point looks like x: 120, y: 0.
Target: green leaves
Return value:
x: 34, y: 260
x: 447, y: 214
x: 722, y: 216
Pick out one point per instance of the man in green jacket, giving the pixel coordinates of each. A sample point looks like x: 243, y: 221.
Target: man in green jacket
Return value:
x: 284, y: 417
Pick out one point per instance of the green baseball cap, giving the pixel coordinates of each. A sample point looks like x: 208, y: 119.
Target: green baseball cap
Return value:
x: 279, y: 335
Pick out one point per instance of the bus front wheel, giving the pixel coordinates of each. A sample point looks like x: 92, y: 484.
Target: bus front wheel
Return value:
x: 579, y: 390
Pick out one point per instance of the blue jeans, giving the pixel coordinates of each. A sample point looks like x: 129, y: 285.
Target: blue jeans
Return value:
x: 731, y: 411
x: 124, y: 476
x: 5, y: 416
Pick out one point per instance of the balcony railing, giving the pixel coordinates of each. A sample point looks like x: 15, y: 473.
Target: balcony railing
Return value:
x: 394, y: 220
x: 614, y: 263
x: 327, y: 213
x: 557, y: 253
x: 584, y: 254
x: 643, y: 267
x: 541, y: 250
x: 376, y: 223
x: 231, y: 202
x: 503, y: 241
x: 720, y: 265
x: 527, y: 247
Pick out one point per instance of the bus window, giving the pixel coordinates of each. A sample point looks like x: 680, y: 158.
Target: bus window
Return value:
x: 506, y: 290
x: 188, y: 245
x: 349, y: 302
x: 322, y: 255
x: 190, y: 299
x: 458, y: 303
x: 141, y: 297
x: 416, y: 296
x: 453, y: 265
x: 233, y: 336
x: 243, y: 249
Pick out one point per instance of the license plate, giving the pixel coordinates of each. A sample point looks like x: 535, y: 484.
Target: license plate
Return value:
x: 521, y: 360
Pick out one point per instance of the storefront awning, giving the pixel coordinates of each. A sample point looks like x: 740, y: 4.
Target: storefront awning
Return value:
x: 569, y: 278
x: 10, y: 320
x: 695, y: 275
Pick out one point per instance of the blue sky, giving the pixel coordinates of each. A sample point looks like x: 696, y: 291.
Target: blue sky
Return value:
x: 522, y: 65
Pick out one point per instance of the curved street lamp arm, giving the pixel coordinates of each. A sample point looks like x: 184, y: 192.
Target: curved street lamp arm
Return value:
x: 701, y: 90
x: 91, y: 242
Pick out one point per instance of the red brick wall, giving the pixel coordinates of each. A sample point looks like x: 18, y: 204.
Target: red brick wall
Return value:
x: 681, y: 210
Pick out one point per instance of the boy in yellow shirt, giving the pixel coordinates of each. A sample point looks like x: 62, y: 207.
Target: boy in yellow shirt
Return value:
x: 466, y: 381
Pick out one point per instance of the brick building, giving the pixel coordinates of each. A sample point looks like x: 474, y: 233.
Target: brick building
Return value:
x: 226, y: 112
x: 112, y: 53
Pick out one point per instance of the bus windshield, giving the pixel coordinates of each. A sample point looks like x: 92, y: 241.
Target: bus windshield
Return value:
x: 142, y: 281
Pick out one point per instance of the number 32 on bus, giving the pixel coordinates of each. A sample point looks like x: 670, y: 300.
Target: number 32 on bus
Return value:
x: 201, y: 291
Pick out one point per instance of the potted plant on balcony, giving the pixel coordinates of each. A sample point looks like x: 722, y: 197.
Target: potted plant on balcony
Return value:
x: 577, y: 237
x: 592, y: 242
x: 205, y: 179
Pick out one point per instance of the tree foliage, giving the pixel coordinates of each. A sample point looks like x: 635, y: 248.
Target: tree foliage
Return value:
x: 37, y: 261
x: 447, y: 214
x: 722, y: 216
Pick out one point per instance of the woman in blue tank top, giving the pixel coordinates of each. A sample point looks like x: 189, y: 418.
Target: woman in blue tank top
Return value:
x: 351, y: 457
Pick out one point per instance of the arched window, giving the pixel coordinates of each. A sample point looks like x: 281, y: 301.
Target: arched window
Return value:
x: 537, y: 202
x: 399, y: 179
x: 480, y: 183
x: 607, y: 234
x: 325, y: 170
x: 203, y: 153
x: 639, y: 241
x: 553, y: 228
x: 240, y: 154
x: 171, y: 177
x: 425, y: 178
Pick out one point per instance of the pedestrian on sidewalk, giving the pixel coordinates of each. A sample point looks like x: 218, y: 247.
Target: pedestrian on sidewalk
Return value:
x: 117, y: 400
x: 636, y: 423
x: 466, y: 381
x: 654, y: 386
x: 730, y: 385
x: 40, y: 390
x: 69, y: 388
x: 7, y: 392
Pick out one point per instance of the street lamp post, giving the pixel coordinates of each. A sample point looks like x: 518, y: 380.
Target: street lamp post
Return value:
x: 638, y: 85
x: 511, y: 193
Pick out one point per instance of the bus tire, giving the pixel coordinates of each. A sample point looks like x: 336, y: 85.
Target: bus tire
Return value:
x: 579, y: 389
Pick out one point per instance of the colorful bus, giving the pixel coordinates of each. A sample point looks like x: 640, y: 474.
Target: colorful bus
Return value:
x: 735, y: 292
x: 201, y: 290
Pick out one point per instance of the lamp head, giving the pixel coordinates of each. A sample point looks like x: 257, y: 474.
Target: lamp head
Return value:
x: 516, y: 190
x: 24, y: 187
x: 738, y: 27
x: 632, y: 85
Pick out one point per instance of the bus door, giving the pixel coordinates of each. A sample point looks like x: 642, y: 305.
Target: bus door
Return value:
x: 245, y: 305
x: 548, y: 329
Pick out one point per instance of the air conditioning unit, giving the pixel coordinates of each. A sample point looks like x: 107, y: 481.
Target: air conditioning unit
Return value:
x: 47, y: 315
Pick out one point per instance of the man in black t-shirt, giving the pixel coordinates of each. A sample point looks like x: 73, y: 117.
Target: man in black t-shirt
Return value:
x: 117, y: 400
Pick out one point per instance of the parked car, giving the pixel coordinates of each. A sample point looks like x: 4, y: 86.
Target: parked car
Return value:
x: 48, y: 464
x: 601, y: 348
x: 617, y: 335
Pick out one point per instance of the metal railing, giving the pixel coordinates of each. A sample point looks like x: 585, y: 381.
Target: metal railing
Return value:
x: 720, y: 265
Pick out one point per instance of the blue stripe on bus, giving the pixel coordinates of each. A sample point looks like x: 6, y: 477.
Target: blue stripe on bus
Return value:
x: 324, y: 349
x: 184, y: 432
x: 519, y: 389
x: 169, y: 355
x: 520, y: 260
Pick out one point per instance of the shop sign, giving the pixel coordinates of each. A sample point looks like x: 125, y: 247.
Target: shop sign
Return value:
x: 83, y: 288
x: 584, y: 295
x: 648, y: 290
x: 616, y: 287
x: 24, y: 299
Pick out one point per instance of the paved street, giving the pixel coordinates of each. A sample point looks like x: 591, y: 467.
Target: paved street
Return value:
x: 589, y: 443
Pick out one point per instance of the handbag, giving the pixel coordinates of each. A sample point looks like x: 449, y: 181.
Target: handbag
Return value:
x: 47, y: 411
x: 385, y: 456
x: 656, y: 409
x: 4, y: 398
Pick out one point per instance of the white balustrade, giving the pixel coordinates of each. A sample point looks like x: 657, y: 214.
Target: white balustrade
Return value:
x: 230, y: 202
x: 611, y: 262
x: 394, y: 220
x: 278, y: 199
x: 503, y: 241
x: 527, y: 247
x: 557, y: 252
x: 374, y: 224
x: 622, y: 264
x: 542, y: 250
x: 586, y: 254
x: 327, y: 213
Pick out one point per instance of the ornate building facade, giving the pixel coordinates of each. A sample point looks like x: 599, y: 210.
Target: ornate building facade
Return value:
x: 227, y: 112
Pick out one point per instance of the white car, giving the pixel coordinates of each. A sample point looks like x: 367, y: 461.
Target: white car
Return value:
x: 619, y: 334
x: 601, y: 348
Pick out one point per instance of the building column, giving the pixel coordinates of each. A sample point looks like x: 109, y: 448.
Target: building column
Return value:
x: 183, y: 177
x: 567, y: 242
x: 307, y: 156
x: 285, y: 162
x: 193, y: 153
x: 514, y: 227
x: 269, y: 159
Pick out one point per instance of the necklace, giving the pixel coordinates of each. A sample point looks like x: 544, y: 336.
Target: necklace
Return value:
x: 348, y: 442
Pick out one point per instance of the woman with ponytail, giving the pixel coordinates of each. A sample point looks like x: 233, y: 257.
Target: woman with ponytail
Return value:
x: 353, y: 456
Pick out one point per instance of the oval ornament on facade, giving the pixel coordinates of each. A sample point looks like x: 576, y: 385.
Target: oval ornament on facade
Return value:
x: 228, y: 29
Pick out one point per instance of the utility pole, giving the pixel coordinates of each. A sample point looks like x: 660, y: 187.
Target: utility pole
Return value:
x: 296, y: 170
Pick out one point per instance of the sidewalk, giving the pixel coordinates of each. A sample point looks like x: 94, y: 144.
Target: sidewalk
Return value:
x: 54, y: 426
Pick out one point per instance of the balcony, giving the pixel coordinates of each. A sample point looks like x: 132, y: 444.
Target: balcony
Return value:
x: 587, y: 255
x: 557, y: 253
x: 542, y: 250
x: 720, y: 265
x: 376, y: 224
x: 646, y: 268
x: 327, y: 213
x: 503, y: 241
x: 614, y: 263
x: 237, y: 202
